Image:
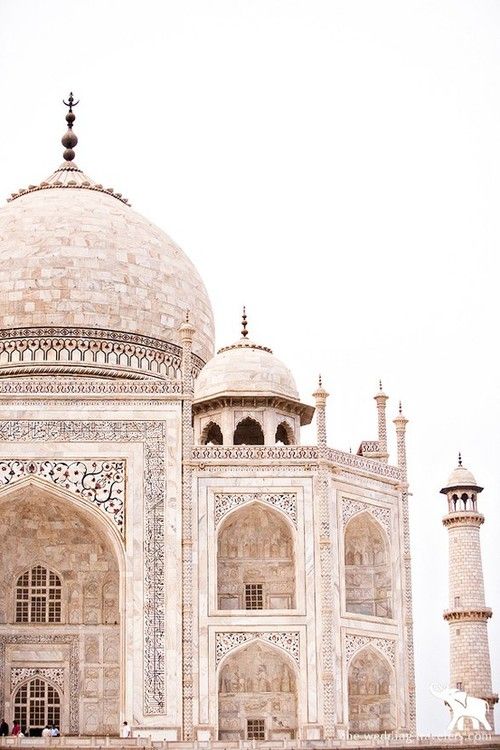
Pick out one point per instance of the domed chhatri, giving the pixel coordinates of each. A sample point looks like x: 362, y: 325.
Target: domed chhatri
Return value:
x: 245, y: 381
x: 460, y: 478
x: 245, y: 368
x: 88, y: 286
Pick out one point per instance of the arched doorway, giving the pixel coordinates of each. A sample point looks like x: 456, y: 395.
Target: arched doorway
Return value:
x: 255, y: 560
x: 61, y: 576
x: 257, y: 695
x: 371, y: 694
x: 368, y: 580
x: 37, y: 703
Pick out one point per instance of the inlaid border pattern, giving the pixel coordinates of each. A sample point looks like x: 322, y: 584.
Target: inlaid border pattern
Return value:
x: 99, y: 482
x: 74, y: 681
x: 287, y: 641
x: 284, y: 501
x: 152, y: 435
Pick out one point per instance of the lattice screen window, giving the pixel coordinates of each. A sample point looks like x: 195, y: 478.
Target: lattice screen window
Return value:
x: 38, y: 596
x: 37, y: 704
x: 256, y: 729
x: 253, y: 596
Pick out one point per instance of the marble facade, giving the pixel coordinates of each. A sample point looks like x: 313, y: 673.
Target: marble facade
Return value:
x: 173, y: 555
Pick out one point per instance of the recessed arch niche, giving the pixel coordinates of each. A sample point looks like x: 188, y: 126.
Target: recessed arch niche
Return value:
x: 371, y: 693
x: 255, y: 560
x: 46, y: 528
x: 257, y: 694
x: 368, y: 578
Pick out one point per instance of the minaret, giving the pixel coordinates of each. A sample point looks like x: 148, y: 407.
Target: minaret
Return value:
x: 467, y: 615
x: 320, y: 396
x: 381, y: 400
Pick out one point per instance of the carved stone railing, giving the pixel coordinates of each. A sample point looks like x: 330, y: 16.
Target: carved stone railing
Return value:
x: 304, y: 453
x: 90, y: 352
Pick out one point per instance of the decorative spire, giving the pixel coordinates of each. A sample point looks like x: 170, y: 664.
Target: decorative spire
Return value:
x: 320, y: 383
x: 69, y: 139
x: 460, y: 459
x: 244, y: 330
x: 380, y: 385
x: 400, y: 408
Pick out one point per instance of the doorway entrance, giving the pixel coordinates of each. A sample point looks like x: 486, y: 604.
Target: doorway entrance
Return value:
x: 37, y: 704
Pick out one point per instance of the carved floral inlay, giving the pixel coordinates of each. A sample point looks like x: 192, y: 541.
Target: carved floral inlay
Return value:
x: 288, y: 641
x: 351, y: 507
x: 54, y: 674
x: 284, y: 501
x: 100, y: 482
x: 353, y: 643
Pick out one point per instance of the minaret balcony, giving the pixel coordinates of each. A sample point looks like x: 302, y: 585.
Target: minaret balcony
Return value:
x: 467, y: 614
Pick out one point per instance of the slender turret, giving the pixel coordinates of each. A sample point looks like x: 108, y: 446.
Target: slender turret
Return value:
x: 467, y: 614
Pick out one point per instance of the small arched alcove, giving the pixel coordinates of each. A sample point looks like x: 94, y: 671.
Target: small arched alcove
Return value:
x: 248, y: 432
x: 368, y: 579
x: 257, y: 695
x: 255, y: 560
x: 372, y: 708
x: 212, y: 434
x: 284, y: 434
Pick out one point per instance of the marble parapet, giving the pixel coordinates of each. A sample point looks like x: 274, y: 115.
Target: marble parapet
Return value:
x: 308, y: 454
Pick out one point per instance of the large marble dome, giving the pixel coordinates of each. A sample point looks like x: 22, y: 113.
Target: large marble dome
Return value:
x: 89, y: 286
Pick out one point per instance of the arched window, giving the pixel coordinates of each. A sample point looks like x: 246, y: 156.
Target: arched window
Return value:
x: 255, y: 561
x: 257, y: 695
x: 284, y: 434
x: 367, y: 568
x: 38, y: 596
x: 248, y: 432
x: 36, y: 704
x: 212, y: 434
x: 371, y: 694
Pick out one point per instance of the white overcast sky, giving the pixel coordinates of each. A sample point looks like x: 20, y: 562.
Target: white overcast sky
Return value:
x: 332, y: 164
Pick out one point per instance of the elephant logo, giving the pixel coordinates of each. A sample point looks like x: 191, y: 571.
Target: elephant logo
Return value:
x: 463, y: 706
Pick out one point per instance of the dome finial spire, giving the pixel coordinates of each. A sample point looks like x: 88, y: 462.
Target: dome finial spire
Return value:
x: 244, y: 330
x: 460, y: 458
x: 69, y: 139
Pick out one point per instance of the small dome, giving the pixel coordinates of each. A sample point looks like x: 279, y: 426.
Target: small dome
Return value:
x: 74, y: 255
x: 245, y: 369
x: 460, y: 477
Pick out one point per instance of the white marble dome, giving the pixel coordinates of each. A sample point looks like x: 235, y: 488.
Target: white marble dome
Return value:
x: 74, y: 254
x: 461, y: 477
x: 245, y: 369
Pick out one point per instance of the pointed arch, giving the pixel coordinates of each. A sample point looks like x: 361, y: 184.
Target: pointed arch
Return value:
x: 257, y: 691
x: 255, y: 559
x: 212, y: 433
x: 37, y: 702
x: 367, y: 564
x: 371, y: 693
x: 284, y: 433
x: 248, y: 432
